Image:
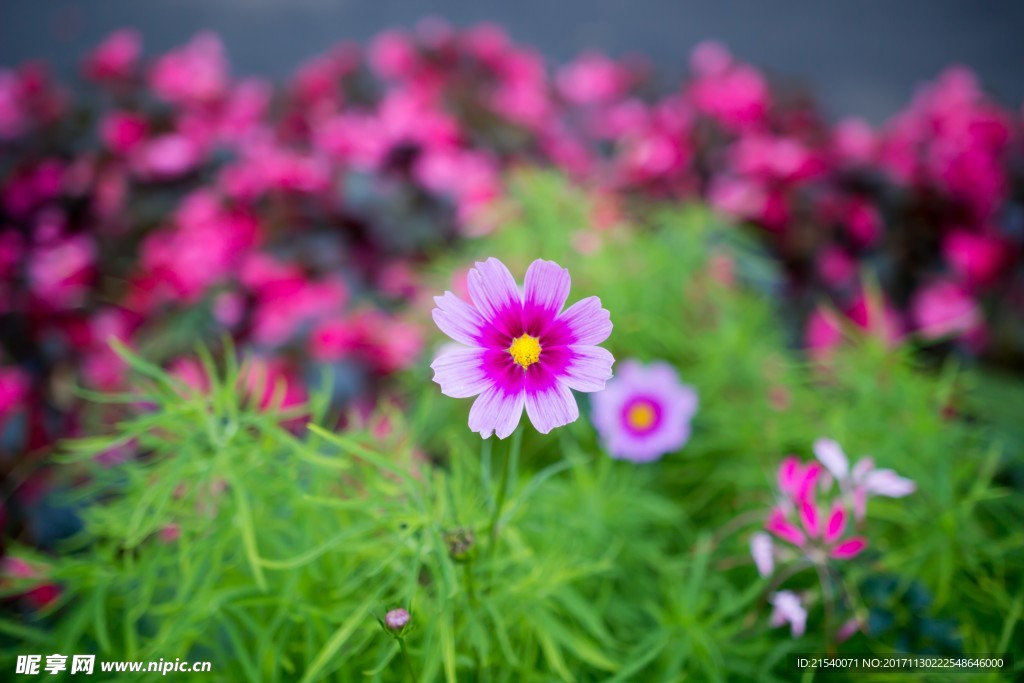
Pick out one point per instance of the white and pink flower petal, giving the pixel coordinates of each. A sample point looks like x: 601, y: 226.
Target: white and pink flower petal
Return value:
x: 496, y: 297
x: 460, y: 373
x: 459, y: 320
x: 585, y: 322
x: 545, y: 292
x: 832, y: 457
x: 761, y: 549
x: 888, y: 483
x: 551, y: 406
x: 585, y: 368
x: 496, y: 412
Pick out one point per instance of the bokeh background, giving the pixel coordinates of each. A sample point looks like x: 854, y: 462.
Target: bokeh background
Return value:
x: 860, y: 58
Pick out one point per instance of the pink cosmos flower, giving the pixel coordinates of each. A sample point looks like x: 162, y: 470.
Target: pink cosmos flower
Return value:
x: 523, y: 350
x: 644, y: 412
x: 787, y: 609
x: 863, y: 479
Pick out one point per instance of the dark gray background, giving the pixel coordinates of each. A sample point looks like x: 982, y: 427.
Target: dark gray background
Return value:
x: 860, y: 56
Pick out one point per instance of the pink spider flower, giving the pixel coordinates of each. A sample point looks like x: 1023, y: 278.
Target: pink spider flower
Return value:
x: 863, y: 479
x: 523, y: 349
x: 819, y: 535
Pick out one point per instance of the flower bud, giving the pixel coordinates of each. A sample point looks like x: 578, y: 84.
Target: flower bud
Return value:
x: 396, y: 619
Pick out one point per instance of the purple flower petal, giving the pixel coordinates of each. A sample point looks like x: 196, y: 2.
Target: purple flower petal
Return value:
x: 888, y: 483
x: 761, y: 551
x: 588, y: 368
x: 496, y: 297
x: 545, y: 292
x: 788, y: 608
x: 832, y: 457
x: 496, y: 412
x: 460, y: 373
x: 459, y: 320
x: 585, y: 322
x: 551, y: 407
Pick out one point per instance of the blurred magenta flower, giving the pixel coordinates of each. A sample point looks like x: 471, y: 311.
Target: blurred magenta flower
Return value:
x: 644, y: 412
x: 818, y: 534
x: 523, y: 349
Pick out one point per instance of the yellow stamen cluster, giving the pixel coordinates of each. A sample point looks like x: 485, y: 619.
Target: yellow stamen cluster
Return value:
x: 640, y: 416
x: 525, y: 350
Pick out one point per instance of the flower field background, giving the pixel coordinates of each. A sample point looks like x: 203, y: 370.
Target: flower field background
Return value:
x: 220, y: 440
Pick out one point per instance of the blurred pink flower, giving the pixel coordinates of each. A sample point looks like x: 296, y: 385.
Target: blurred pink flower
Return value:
x: 166, y: 157
x: 59, y: 274
x: 943, y: 309
x: 121, y: 131
x: 732, y: 93
x: 592, y: 79
x: 116, y: 58
x: 854, y: 142
x: 194, y: 74
x: 976, y: 258
x: 392, y: 54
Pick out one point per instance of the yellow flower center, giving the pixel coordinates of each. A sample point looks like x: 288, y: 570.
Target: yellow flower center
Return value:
x: 525, y: 350
x: 640, y: 415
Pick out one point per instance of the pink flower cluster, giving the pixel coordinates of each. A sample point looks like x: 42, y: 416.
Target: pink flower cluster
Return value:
x: 817, y: 504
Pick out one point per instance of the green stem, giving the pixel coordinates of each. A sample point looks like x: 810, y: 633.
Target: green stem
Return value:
x: 510, y: 461
x: 467, y: 568
x: 408, y: 660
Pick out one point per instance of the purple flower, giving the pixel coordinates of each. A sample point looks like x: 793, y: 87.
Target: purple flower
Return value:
x: 396, y: 619
x: 523, y: 350
x: 644, y: 412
